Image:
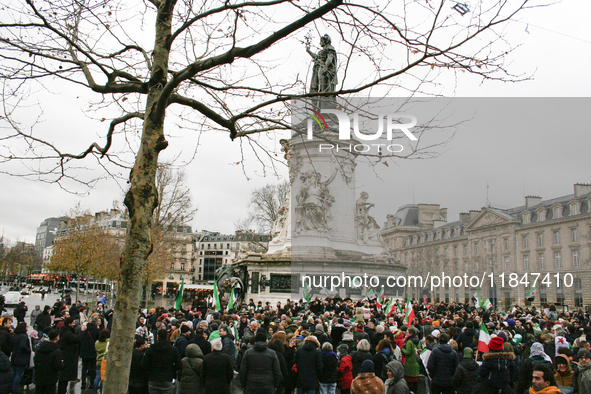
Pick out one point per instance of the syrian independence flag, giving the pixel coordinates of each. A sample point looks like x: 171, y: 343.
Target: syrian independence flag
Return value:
x: 531, y: 293
x: 390, y: 307
x: 306, y: 293
x: 369, y: 296
x: 380, y: 300
x: 410, y: 313
x: 477, y: 300
x: 217, y: 305
x: 400, y: 308
x: 231, y: 300
x: 179, y: 296
x: 487, y: 304
x: 483, y: 339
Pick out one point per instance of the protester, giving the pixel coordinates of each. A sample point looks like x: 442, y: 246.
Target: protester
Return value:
x: 582, y: 376
x: 217, y: 370
x: 442, y: 366
x: 138, y: 376
x: 161, y: 362
x: 395, y: 384
x: 466, y: 375
x: 543, y: 381
x: 308, y: 362
x: 48, y: 364
x: 366, y: 381
x: 260, y: 372
x: 190, y: 376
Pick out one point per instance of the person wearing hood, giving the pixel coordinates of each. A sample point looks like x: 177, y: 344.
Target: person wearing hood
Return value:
x: 411, y: 365
x: 582, y: 376
x: 328, y: 377
x: 48, y: 364
x: 367, y: 382
x: 466, y: 375
x: 442, y: 366
x: 190, y: 374
x: 536, y: 356
x: 564, y: 373
x: 161, y: 362
x: 344, y: 370
x: 395, y: 384
x: 43, y: 320
x: 260, y: 371
x: 138, y: 378
x: 349, y: 341
x: 498, y: 370
x: 308, y: 361
x: 69, y: 345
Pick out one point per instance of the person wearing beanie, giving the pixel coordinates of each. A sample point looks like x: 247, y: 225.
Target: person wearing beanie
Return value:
x: 395, y: 384
x: 466, y: 375
x: 344, y: 370
x: 260, y: 371
x: 498, y: 370
x: 582, y: 376
x: 367, y: 382
x: 526, y: 369
x: 563, y: 372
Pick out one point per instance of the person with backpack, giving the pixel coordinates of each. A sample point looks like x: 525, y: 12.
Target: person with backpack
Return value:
x: 190, y: 378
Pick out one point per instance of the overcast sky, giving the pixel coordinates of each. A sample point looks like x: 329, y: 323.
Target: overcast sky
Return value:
x: 513, y: 160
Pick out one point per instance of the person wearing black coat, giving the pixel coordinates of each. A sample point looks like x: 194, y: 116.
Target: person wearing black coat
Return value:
x: 161, y: 362
x: 466, y: 375
x: 217, y: 370
x: 200, y: 340
x: 330, y: 361
x: 43, y: 320
x: 276, y: 345
x: 6, y: 337
x: 466, y: 337
x: 48, y: 363
x: 88, y: 335
x: 20, y: 312
x: 6, y: 374
x: 21, y: 354
x: 442, y: 366
x: 260, y: 371
x: 138, y: 377
x: 498, y: 370
x: 68, y: 344
x: 308, y: 360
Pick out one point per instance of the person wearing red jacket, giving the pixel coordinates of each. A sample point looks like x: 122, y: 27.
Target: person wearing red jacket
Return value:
x: 344, y: 370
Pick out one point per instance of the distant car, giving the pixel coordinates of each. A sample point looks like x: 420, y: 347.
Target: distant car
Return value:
x: 12, y: 298
x: 26, y: 291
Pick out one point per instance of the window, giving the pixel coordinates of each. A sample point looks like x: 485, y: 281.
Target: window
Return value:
x: 507, y: 264
x: 455, y: 250
x: 475, y: 247
x: 540, y: 239
x: 182, y: 266
x: 227, y: 246
x: 556, y: 237
x: 574, y: 236
x: 557, y: 212
x: 541, y: 261
x: 506, y: 243
x: 465, y: 250
x: 445, y: 252
x: 476, y: 266
x: 558, y: 259
x: 541, y: 215
x: 526, y: 218
x: 543, y: 294
x: 526, y: 262
x: 524, y: 239
x: 576, y: 262
x: 578, y: 293
x: 491, y: 264
x: 574, y: 208
x: 466, y: 266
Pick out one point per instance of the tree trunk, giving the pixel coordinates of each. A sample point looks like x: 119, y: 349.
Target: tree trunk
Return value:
x: 141, y: 200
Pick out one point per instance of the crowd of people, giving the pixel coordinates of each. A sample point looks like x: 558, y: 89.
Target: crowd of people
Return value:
x: 324, y: 346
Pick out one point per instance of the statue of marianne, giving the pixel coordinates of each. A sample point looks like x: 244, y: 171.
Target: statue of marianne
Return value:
x: 324, y: 73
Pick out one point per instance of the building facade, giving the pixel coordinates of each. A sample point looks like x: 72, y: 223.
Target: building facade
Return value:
x: 546, y: 241
x: 46, y: 233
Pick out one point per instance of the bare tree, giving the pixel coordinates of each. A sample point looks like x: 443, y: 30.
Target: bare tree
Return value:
x: 264, y: 203
x: 215, y: 65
